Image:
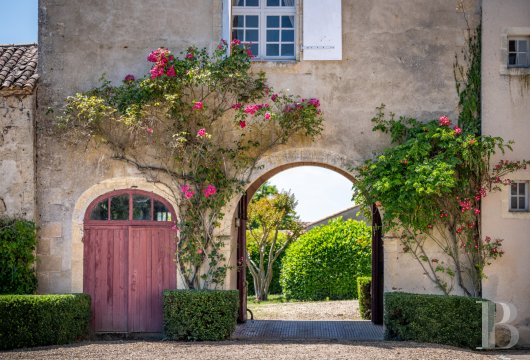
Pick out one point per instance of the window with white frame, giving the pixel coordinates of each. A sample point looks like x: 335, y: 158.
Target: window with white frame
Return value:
x: 268, y: 26
x: 518, y: 54
x: 519, y: 196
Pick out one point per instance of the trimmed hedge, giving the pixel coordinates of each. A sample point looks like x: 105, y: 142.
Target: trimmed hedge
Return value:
x: 200, y: 314
x: 440, y: 319
x: 325, y: 261
x: 36, y: 320
x: 17, y: 256
x: 364, y: 292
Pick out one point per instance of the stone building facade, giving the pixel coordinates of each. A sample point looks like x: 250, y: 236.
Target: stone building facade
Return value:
x: 352, y: 54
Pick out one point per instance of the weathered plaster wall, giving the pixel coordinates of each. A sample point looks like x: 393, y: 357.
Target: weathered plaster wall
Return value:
x: 506, y: 113
x: 397, y: 53
x: 17, y: 156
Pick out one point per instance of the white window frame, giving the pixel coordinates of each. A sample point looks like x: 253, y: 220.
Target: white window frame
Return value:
x: 517, y: 41
x: 518, y: 195
x: 263, y: 11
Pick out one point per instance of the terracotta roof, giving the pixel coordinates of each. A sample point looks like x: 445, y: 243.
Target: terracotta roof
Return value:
x: 18, y: 69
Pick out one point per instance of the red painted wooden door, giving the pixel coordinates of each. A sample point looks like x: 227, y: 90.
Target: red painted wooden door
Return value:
x: 151, y: 271
x: 128, y: 262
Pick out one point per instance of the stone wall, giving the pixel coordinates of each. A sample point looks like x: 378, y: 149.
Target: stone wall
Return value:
x: 506, y: 113
x: 17, y: 156
x: 397, y: 53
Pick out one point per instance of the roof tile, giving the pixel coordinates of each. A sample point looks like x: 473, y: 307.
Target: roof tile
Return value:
x: 18, y: 69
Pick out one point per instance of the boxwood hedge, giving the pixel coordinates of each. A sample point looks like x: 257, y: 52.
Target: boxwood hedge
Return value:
x: 441, y: 319
x: 364, y: 291
x: 36, y: 320
x: 200, y: 314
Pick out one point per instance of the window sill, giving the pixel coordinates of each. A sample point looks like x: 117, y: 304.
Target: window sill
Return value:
x: 511, y: 214
x: 514, y: 71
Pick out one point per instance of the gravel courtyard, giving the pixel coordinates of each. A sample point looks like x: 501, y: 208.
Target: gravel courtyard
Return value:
x: 253, y: 350
x: 316, y: 310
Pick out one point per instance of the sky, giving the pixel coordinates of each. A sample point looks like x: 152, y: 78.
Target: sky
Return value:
x: 18, y: 24
x: 320, y: 192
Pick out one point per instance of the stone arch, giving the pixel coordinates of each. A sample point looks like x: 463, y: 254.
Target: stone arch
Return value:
x: 82, y: 204
x: 267, y: 167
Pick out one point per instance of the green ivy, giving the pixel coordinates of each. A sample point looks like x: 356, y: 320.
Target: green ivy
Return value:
x: 17, y: 257
x: 325, y: 262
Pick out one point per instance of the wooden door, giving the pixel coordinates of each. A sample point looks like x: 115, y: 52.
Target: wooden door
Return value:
x: 128, y: 260
x: 241, y: 257
x: 151, y: 271
x: 105, y: 276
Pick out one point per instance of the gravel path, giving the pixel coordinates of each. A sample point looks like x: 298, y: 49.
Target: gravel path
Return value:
x: 252, y: 350
x: 318, y: 310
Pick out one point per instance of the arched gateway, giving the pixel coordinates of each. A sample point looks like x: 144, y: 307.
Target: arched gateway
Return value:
x: 291, y: 158
x: 129, y: 249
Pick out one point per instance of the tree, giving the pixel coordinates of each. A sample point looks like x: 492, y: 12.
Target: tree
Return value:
x: 198, y: 123
x: 271, y: 216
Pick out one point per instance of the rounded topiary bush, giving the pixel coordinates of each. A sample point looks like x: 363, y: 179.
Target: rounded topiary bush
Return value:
x: 326, y: 261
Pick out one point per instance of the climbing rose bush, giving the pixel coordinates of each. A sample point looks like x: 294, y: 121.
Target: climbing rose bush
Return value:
x: 199, y: 123
x: 430, y: 184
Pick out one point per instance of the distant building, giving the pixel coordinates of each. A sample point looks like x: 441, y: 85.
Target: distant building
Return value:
x: 353, y: 213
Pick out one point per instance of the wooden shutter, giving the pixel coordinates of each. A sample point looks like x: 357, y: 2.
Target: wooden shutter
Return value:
x: 322, y: 30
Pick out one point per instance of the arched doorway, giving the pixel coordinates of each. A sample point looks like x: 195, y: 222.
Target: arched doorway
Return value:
x: 377, y: 244
x: 129, y: 250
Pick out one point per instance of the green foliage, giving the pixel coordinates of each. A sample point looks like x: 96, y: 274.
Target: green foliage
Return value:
x: 440, y: 319
x: 17, y: 260
x: 37, y: 320
x: 364, y: 293
x: 430, y: 184
x: 199, y: 122
x: 265, y: 190
x: 273, y: 225
x: 205, y: 315
x: 254, y: 253
x: 326, y: 261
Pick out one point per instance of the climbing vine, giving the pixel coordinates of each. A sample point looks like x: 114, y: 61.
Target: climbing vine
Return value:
x: 198, y: 122
x: 431, y: 181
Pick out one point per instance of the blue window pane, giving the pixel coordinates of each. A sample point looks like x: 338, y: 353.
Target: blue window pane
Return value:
x: 238, y: 34
x: 511, y: 45
x: 239, y: 21
x: 273, y: 50
x: 238, y: 2
x: 289, y: 3
x: 252, y: 35
x: 288, y: 21
x: 254, y: 49
x: 273, y: 21
x: 161, y: 212
x: 287, y: 35
x: 273, y: 2
x: 252, y: 2
x: 523, y: 46
x: 252, y: 21
x: 287, y: 50
x: 273, y: 35
x: 141, y: 207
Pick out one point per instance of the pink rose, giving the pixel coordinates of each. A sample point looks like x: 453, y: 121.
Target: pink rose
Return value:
x: 184, y: 188
x: 199, y: 251
x: 267, y: 115
x: 457, y: 130
x: 171, y: 71
x: 236, y: 106
x: 274, y: 97
x: 314, y: 102
x: 189, y: 194
x: 129, y: 78
x: 476, y: 211
x: 198, y: 105
x: 201, y: 132
x: 209, y: 191
x: 444, y: 121
x: 189, y: 56
x: 149, y: 130
x: 242, y: 124
x: 236, y: 42
x: 251, y: 109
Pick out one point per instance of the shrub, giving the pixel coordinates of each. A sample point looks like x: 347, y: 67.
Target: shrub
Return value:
x: 17, y: 248
x: 36, y: 320
x: 325, y: 262
x: 364, y: 292
x: 200, y: 314
x: 441, y: 319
